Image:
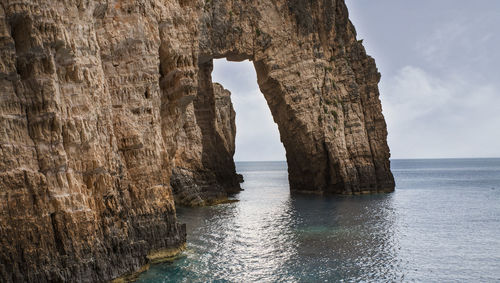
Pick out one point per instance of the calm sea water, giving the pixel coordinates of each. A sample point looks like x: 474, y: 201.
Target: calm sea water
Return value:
x: 442, y: 224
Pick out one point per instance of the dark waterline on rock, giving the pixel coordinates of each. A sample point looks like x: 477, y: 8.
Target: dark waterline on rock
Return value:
x: 442, y: 223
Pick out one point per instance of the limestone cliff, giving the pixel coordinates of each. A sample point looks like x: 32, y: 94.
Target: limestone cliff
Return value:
x: 104, y: 104
x: 204, y: 171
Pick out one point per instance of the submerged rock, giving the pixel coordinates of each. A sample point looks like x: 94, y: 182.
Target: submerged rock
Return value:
x: 107, y: 106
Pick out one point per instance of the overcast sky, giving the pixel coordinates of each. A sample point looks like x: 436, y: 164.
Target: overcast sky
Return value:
x: 440, y: 85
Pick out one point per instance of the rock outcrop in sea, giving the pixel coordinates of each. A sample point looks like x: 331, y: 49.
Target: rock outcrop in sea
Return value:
x: 108, y: 112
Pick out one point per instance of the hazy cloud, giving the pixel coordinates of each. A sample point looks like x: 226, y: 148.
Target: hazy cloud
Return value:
x: 437, y: 117
x: 440, y: 89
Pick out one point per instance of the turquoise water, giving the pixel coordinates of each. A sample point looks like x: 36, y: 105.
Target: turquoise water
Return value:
x: 442, y: 224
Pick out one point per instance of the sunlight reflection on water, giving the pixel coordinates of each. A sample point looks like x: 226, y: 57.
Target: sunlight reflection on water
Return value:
x: 418, y: 233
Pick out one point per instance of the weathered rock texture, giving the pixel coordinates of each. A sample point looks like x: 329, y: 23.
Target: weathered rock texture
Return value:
x: 204, y: 171
x: 101, y: 101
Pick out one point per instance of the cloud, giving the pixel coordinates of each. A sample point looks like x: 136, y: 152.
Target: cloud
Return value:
x: 435, y: 48
x: 462, y: 44
x: 430, y: 116
x: 440, y: 90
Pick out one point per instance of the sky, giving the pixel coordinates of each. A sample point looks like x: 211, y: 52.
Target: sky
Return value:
x: 440, y: 86
x: 257, y: 136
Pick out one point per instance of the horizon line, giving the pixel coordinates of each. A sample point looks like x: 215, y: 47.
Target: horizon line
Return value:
x: 419, y: 158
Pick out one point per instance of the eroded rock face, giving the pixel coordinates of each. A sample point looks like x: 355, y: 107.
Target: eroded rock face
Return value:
x: 101, y: 101
x: 204, y: 172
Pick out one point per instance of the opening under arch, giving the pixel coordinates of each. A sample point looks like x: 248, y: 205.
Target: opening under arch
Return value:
x: 257, y: 135
x: 313, y: 114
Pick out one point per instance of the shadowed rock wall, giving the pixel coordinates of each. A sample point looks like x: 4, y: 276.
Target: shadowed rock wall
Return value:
x: 204, y: 172
x: 100, y: 101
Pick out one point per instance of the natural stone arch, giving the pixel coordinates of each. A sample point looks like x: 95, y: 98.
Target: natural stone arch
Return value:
x: 319, y: 83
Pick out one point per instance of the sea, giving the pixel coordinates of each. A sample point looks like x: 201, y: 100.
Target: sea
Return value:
x: 442, y: 224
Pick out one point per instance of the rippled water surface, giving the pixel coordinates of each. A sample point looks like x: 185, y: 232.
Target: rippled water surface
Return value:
x: 441, y: 224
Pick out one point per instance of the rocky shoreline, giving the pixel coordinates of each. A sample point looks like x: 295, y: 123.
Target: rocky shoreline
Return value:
x: 164, y: 255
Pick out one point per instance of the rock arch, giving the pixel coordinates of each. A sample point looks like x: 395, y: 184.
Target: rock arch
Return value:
x: 321, y: 88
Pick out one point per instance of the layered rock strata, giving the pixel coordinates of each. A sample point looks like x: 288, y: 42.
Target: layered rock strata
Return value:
x: 104, y: 104
x: 204, y: 172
